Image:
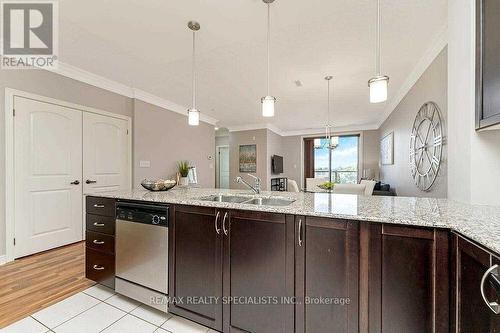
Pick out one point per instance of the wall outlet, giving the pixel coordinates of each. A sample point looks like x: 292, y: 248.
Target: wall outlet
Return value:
x: 144, y: 164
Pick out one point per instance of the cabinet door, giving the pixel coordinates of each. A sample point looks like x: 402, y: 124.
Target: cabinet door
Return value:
x: 259, y: 272
x: 327, y: 275
x: 472, y: 313
x: 195, y: 265
x: 408, y: 280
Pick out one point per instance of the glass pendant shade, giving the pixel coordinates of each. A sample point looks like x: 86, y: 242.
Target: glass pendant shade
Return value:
x: 193, y: 117
x: 268, y: 106
x: 378, y: 89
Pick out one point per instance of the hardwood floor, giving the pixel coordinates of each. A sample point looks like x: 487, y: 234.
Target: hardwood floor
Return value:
x: 35, y: 282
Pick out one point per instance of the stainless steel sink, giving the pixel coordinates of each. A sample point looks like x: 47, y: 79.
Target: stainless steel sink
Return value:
x: 269, y: 201
x: 225, y: 198
x: 248, y: 200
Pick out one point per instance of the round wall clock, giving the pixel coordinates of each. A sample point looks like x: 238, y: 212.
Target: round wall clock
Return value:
x: 426, y: 146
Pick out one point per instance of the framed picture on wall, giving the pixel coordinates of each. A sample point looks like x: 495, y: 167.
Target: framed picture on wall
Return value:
x: 387, y: 149
x: 248, y: 158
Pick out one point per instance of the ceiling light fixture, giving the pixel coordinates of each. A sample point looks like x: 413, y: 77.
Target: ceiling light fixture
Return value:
x: 193, y: 113
x: 268, y: 101
x: 330, y: 142
x: 378, y: 84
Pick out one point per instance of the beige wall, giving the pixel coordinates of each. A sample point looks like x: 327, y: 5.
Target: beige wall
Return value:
x: 432, y: 86
x: 371, y: 152
x: 51, y: 85
x: 292, y: 158
x: 258, y: 137
x: 164, y: 138
x: 274, y: 147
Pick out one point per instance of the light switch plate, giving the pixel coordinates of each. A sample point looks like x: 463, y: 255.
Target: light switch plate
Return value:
x: 144, y: 164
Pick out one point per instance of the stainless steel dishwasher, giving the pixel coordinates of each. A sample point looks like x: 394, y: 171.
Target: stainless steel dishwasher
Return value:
x: 142, y: 252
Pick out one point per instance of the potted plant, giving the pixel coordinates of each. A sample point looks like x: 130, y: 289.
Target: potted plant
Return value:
x: 183, y: 167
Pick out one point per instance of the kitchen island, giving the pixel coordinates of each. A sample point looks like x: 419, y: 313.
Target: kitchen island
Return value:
x: 317, y: 262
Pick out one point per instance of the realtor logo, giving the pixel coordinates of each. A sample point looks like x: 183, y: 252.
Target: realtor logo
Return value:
x: 29, y: 34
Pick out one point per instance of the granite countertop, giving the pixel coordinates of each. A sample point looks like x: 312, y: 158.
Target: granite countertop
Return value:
x: 479, y: 223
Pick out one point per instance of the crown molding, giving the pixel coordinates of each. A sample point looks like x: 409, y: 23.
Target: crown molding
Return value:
x: 168, y: 105
x: 437, y: 45
x: 310, y: 131
x: 253, y: 127
x: 92, y: 79
x: 98, y: 81
x: 338, y: 129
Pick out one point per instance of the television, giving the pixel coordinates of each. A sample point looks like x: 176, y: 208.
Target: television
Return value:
x: 277, y: 164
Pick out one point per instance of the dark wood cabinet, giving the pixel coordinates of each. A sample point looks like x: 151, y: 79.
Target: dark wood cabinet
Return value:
x: 100, y: 240
x: 487, y: 64
x: 195, y: 264
x: 258, y: 272
x: 327, y: 270
x: 240, y: 264
x: 407, y: 281
x: 472, y: 315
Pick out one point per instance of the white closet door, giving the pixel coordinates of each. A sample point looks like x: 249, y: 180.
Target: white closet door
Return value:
x: 224, y: 167
x: 48, y: 176
x: 106, y: 154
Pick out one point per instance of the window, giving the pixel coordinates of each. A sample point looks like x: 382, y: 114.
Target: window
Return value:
x: 341, y: 163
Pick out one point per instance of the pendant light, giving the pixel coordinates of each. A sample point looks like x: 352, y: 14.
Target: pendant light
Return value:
x: 330, y: 142
x: 378, y: 84
x: 193, y: 113
x: 268, y: 101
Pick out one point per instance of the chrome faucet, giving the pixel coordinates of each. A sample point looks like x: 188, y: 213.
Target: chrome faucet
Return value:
x: 255, y: 188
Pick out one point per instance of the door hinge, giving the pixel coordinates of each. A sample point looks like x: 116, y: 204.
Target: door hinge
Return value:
x: 127, y: 132
x: 13, y: 112
x: 14, y: 242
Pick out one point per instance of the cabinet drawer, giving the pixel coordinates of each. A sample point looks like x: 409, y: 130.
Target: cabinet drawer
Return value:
x: 100, y: 267
x: 101, y: 224
x: 101, y: 206
x: 100, y: 242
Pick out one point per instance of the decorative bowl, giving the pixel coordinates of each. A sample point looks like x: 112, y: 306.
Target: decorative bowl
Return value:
x: 158, y: 185
x: 327, y: 186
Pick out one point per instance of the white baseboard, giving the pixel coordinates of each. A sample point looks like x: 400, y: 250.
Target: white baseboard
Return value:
x: 3, y: 260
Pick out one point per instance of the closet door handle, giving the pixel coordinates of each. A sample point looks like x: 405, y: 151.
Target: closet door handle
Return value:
x: 98, y: 268
x: 88, y: 181
x: 76, y: 182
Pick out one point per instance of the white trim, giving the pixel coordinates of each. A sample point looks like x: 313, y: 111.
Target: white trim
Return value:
x: 168, y: 105
x: 9, y: 154
x: 95, y: 80
x: 253, y: 127
x: 9, y: 175
x: 437, y: 45
x: 339, y: 129
x: 305, y: 132
x: 98, y: 81
x: 3, y: 260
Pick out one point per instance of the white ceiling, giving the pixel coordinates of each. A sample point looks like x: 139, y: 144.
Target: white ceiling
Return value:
x: 146, y: 45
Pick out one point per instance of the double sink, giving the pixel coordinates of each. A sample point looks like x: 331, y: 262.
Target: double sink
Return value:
x: 248, y: 200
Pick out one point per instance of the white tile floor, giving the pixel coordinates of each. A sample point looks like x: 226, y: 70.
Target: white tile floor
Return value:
x: 99, y: 309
